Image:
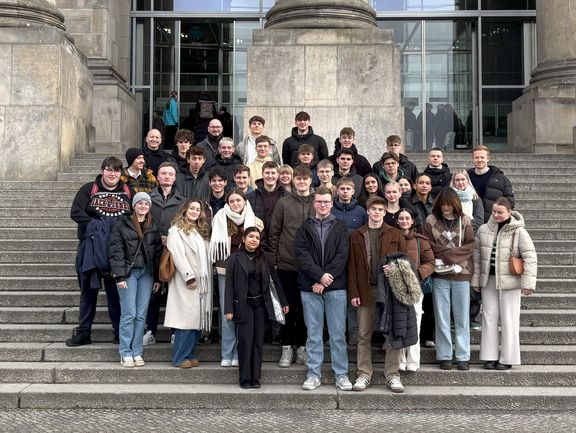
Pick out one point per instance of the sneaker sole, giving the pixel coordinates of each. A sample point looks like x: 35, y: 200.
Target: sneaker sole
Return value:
x: 396, y: 391
x: 311, y: 388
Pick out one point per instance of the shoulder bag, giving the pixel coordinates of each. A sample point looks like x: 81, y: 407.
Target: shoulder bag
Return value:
x: 166, y: 269
x: 515, y: 264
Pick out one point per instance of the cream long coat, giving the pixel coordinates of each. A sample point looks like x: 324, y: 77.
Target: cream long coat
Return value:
x: 183, y: 304
x: 483, y: 249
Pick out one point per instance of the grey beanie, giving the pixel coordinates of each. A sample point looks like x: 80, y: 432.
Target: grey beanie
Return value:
x: 141, y: 196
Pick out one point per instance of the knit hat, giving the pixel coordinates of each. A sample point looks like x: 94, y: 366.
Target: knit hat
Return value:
x: 141, y: 196
x: 132, y: 154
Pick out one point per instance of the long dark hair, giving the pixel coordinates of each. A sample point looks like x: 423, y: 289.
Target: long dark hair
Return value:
x: 364, y: 195
x: 258, y: 253
x: 447, y: 196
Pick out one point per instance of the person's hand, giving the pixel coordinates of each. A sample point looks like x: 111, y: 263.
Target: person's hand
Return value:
x: 156, y: 287
x: 163, y: 239
x: 386, y: 269
x: 192, y: 285
x: 318, y: 288
x: 527, y: 292
x: 122, y: 285
x: 286, y: 309
x: 327, y: 279
x: 476, y: 289
x: 229, y: 316
x: 356, y: 302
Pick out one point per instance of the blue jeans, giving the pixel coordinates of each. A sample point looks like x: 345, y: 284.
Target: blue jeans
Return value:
x: 333, y: 304
x: 184, y: 342
x: 133, y: 305
x: 229, y: 342
x: 452, y: 296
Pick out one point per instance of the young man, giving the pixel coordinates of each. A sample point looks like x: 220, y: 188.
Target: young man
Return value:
x: 394, y: 146
x: 247, y: 148
x: 193, y: 182
x: 166, y: 200
x: 211, y: 142
x: 321, y: 251
x: 136, y: 175
x: 184, y: 140
x: 347, y: 140
x: 438, y: 171
x: 303, y: 133
x: 96, y: 208
x: 345, y: 169
x: 488, y: 180
x: 262, y: 156
x: 325, y: 173
x: 267, y: 193
x: 153, y: 155
x: 346, y: 208
x: 226, y: 159
x: 388, y: 168
x: 289, y: 214
x: 241, y: 179
x: 217, y: 181
x: 368, y: 247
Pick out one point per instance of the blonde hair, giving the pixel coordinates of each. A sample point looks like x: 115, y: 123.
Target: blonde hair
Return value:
x: 201, y: 225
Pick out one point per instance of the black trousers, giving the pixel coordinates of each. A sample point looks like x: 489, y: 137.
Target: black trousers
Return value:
x: 428, y: 322
x: 157, y: 299
x: 475, y: 305
x: 293, y: 332
x: 89, y: 300
x: 250, y: 332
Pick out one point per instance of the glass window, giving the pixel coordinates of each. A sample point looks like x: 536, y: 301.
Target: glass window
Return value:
x: 496, y: 104
x: 207, y: 5
x: 508, y: 4
x: 143, y: 5
x: 502, y: 52
x: 424, y: 5
x: 164, y: 62
x: 142, y: 45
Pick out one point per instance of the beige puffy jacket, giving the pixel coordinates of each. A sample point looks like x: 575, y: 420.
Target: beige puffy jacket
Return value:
x: 484, y: 243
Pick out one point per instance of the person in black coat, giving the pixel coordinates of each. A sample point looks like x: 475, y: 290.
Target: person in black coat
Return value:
x: 301, y: 134
x: 438, y: 171
x: 248, y: 301
x: 135, y: 248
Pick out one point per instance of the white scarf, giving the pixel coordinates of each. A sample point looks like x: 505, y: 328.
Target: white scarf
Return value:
x: 220, y: 241
x: 466, y: 196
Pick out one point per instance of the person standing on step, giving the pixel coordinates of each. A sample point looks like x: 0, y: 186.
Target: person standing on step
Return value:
x: 96, y: 208
x: 183, y: 141
x: 135, y: 249
x: 189, y: 304
x: 262, y: 157
x: 285, y: 174
x: 502, y: 236
x: 321, y: 250
x: 394, y: 146
x: 451, y: 237
x: 371, y: 187
x: 344, y: 170
x: 289, y: 214
x: 153, y: 154
x: 171, y: 120
x: 226, y: 159
x: 247, y: 148
x: 368, y: 247
x: 421, y: 199
x: 137, y: 175
x: 488, y: 180
x: 193, y: 182
x: 248, y: 302
x: 438, y: 171
x: 302, y: 133
x: 347, y: 140
x: 388, y: 168
x: 211, y: 142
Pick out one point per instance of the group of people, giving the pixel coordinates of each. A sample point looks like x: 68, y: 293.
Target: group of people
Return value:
x: 324, y: 240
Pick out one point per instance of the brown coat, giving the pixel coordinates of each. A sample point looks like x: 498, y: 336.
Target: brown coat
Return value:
x: 424, y: 265
x: 391, y: 241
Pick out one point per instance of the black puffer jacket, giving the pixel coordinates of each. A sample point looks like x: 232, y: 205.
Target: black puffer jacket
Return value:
x: 408, y: 168
x: 264, y: 202
x: 497, y: 186
x: 292, y: 143
x: 439, y: 177
x: 361, y: 164
x: 397, y: 320
x: 124, y: 249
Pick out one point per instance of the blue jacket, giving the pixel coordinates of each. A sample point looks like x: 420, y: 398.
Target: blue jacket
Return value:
x: 351, y: 214
x: 170, y: 115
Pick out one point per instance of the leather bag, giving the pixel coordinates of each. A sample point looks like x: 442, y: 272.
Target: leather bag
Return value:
x: 515, y: 264
x: 166, y: 269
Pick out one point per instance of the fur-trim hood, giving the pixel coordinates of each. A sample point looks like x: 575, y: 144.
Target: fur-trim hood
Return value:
x: 402, y: 278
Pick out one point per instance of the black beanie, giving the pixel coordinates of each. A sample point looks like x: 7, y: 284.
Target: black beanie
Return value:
x: 132, y: 154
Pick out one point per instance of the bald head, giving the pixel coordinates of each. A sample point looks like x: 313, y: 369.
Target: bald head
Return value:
x: 153, y: 139
x: 215, y: 128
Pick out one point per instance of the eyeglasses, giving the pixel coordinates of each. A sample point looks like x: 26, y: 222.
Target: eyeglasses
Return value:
x: 323, y: 203
x: 112, y: 170
x: 215, y: 127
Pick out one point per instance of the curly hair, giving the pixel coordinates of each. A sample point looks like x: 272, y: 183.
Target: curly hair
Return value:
x: 201, y: 225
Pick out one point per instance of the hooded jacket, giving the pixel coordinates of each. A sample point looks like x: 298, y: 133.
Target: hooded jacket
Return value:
x: 292, y: 143
x: 361, y: 164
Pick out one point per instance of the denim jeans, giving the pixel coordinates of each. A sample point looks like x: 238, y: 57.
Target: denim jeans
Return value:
x: 184, y: 342
x: 333, y: 304
x: 229, y: 342
x: 452, y: 296
x: 133, y: 305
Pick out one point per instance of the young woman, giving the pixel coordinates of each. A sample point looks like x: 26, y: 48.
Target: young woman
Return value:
x: 420, y: 252
x: 371, y: 186
x: 471, y: 202
x: 421, y: 200
x: 394, y: 202
x: 189, y: 303
x: 405, y: 186
x: 503, y: 235
x: 227, y: 227
x: 451, y: 237
x: 285, y: 177
x: 135, y: 248
x: 248, y: 302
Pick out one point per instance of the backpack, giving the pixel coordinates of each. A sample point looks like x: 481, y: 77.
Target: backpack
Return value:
x: 206, y: 110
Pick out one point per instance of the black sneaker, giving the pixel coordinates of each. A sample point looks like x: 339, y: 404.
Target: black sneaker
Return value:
x: 446, y: 365
x: 204, y: 340
x: 78, y: 339
x: 116, y: 339
x: 463, y: 365
x: 490, y: 365
x: 255, y: 384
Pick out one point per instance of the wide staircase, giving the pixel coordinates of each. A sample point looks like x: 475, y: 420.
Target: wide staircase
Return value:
x: 39, y: 308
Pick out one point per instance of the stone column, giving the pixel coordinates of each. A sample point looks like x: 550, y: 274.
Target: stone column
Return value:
x: 326, y: 57
x: 45, y: 92
x: 101, y: 30
x: 543, y: 118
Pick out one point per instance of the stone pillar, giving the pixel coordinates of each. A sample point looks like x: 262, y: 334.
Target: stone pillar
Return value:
x: 326, y: 57
x: 45, y: 92
x: 101, y: 30
x: 543, y: 118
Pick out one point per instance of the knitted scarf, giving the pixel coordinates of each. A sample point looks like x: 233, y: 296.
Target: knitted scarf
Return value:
x: 203, y: 279
x: 466, y: 196
x: 220, y: 241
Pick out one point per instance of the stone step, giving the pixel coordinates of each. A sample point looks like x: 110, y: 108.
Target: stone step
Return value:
x: 548, y: 318
x: 22, y: 352
x: 64, y: 186
x: 552, y: 234
x: 556, y: 284
x: 42, y: 201
x: 36, y: 269
x: 555, y: 258
x: 39, y: 245
x: 30, y: 228
x: 50, y: 257
x: 566, y: 204
x: 282, y: 397
x: 45, y: 298
x: 62, y: 212
x: 549, y: 301
x: 98, y: 156
x: 560, y: 271
x: 31, y: 315
x: 555, y: 223
x: 545, y: 246
x: 43, y: 285
x: 38, y: 194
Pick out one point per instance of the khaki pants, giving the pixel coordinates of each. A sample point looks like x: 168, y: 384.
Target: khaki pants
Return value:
x: 364, y: 348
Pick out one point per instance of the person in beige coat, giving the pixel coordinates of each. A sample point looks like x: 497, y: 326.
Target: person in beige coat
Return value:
x: 189, y: 303
x: 503, y: 235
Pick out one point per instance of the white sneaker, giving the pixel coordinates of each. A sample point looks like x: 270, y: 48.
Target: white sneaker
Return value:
x: 402, y: 367
x: 286, y: 358
x: 301, y: 356
x: 413, y: 368
x: 344, y: 383
x: 226, y: 363
x: 138, y: 361
x: 235, y: 363
x: 172, y: 338
x: 395, y: 385
x: 361, y: 384
x: 311, y: 383
x: 127, y: 361
x: 148, y: 339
